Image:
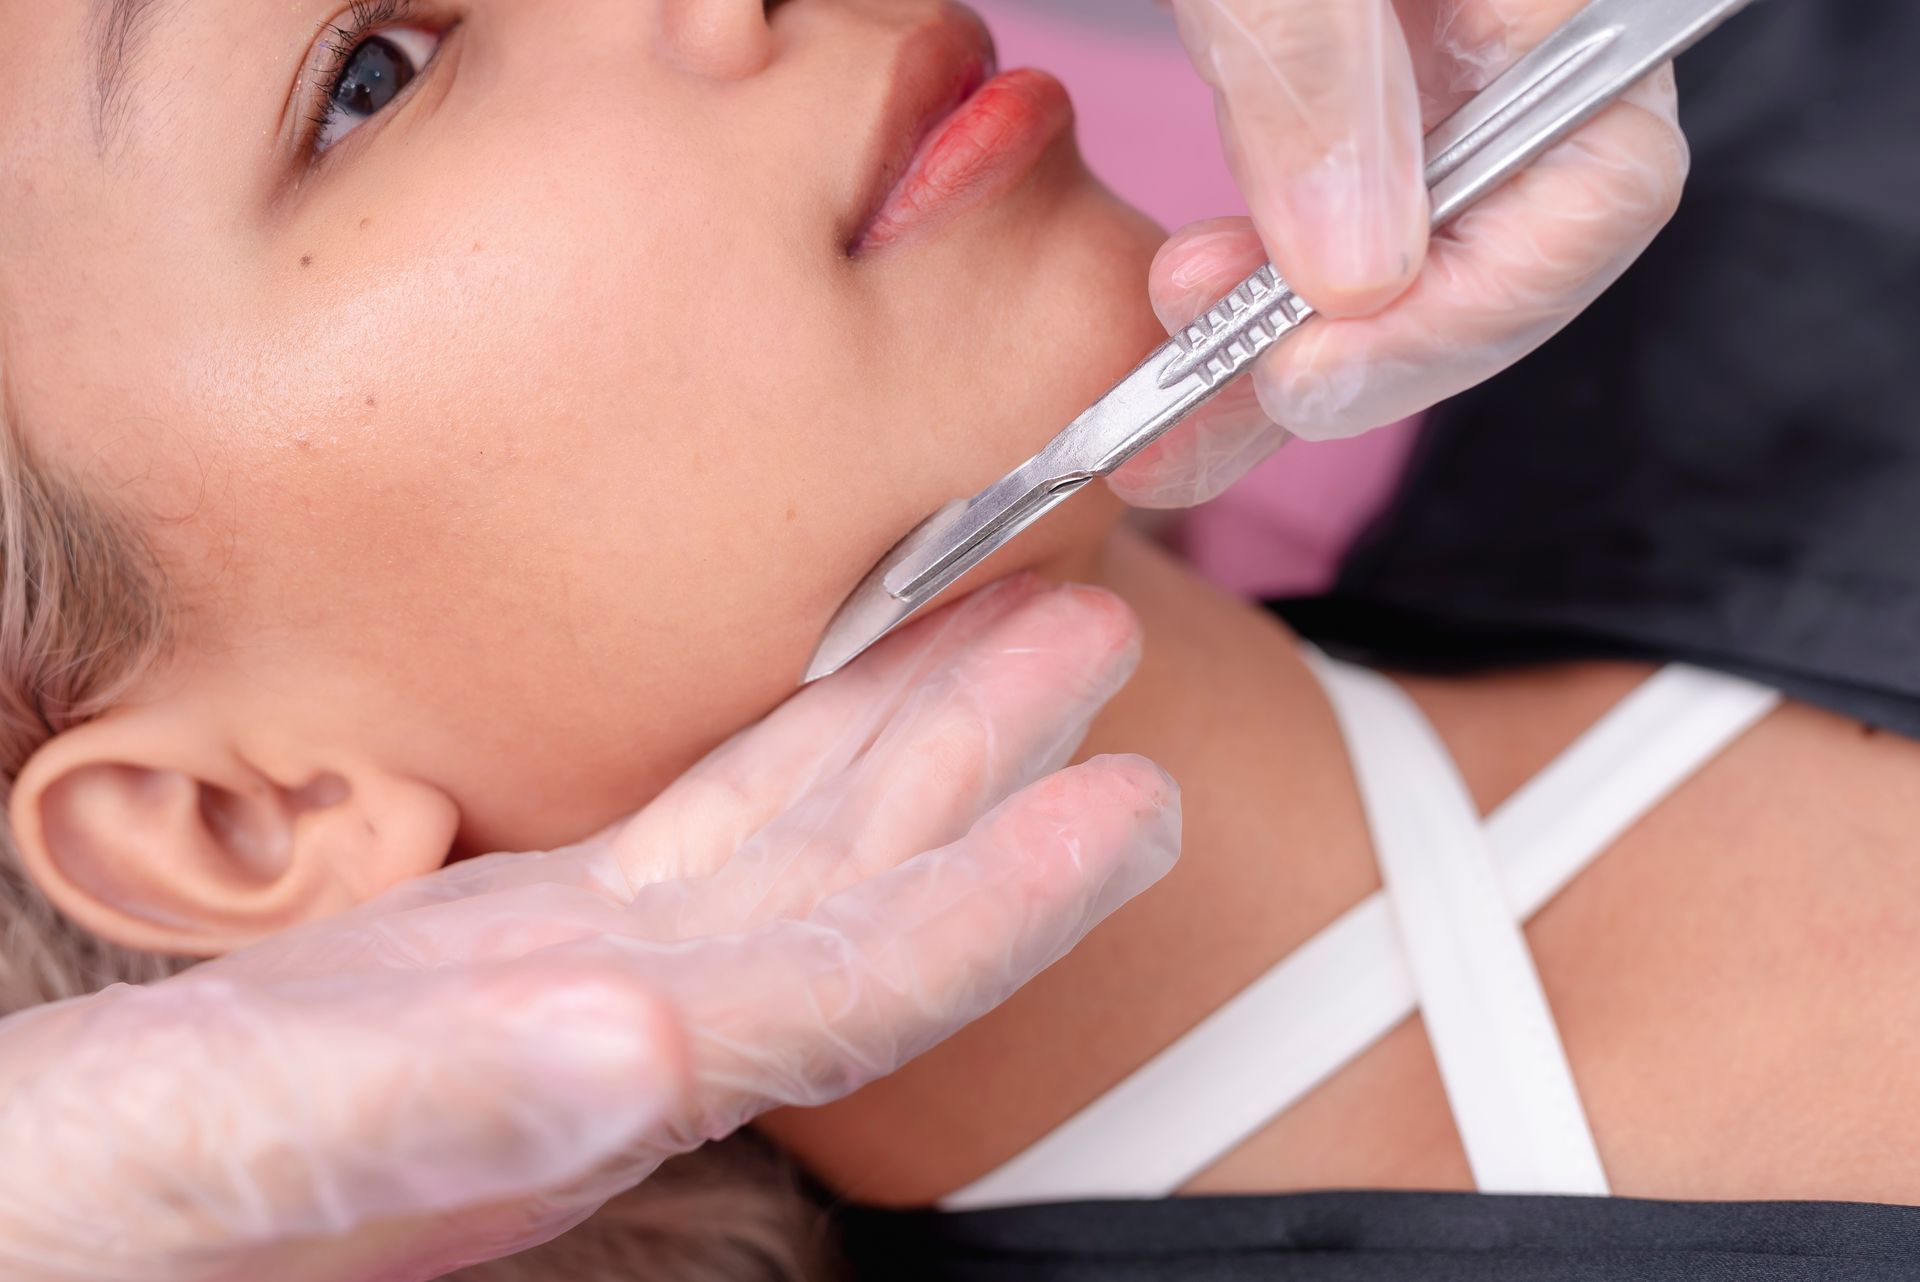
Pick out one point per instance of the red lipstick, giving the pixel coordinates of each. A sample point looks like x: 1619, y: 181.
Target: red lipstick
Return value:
x: 989, y: 142
x: 954, y: 134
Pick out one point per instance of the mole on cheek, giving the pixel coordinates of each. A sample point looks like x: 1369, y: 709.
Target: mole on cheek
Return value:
x: 306, y: 260
x: 365, y: 223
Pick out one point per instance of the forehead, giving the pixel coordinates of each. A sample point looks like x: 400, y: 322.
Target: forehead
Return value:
x: 84, y: 80
x: 45, y: 124
x: 68, y: 215
x: 112, y: 72
x: 41, y: 63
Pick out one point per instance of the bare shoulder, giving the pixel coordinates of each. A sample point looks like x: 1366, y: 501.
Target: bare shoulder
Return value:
x: 1736, y: 979
x: 1738, y: 975
x: 1733, y: 979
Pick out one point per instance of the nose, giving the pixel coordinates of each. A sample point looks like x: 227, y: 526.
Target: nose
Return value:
x: 723, y: 39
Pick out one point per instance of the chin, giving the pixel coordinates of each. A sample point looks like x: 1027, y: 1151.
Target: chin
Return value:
x: 1096, y: 326
x: 1113, y: 246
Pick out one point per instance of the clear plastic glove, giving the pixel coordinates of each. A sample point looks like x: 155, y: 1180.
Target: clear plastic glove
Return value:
x: 1323, y: 105
x: 473, y: 1063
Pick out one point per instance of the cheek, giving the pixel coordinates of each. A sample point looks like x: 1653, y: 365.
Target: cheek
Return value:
x: 562, y: 547
x: 557, y: 357
x: 555, y: 550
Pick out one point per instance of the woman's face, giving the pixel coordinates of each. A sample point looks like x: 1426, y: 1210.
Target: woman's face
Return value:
x: 527, y: 434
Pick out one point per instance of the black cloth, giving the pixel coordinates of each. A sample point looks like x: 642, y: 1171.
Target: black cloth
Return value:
x: 1719, y: 462
x: 1390, y: 1237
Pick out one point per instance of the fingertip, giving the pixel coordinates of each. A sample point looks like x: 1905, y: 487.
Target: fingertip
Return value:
x: 1198, y: 265
x: 1324, y: 130
x: 1092, y: 837
x: 1215, y: 235
x: 1345, y: 273
x: 1089, y: 630
x: 1011, y: 706
x: 1136, y: 784
x: 1351, y: 299
x: 1653, y: 146
x: 1103, y: 623
x: 1106, y: 811
x: 869, y: 687
x: 1156, y: 807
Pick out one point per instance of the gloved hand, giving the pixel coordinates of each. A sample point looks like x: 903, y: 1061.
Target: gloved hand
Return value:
x: 474, y: 1062
x: 1323, y: 104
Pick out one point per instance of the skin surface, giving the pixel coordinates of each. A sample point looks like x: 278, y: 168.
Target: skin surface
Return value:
x: 518, y: 454
x: 1732, y: 980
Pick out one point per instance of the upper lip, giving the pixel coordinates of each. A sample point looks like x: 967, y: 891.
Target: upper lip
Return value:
x: 940, y: 65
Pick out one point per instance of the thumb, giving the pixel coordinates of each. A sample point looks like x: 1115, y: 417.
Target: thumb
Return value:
x: 213, y: 1120
x: 1321, y: 118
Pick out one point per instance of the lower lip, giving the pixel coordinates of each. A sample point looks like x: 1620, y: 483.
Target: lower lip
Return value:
x: 988, y: 143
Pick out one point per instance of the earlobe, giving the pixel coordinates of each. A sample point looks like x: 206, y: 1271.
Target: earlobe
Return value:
x: 159, y: 842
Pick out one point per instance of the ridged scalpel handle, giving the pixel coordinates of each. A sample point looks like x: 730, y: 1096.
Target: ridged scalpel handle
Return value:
x: 1227, y: 337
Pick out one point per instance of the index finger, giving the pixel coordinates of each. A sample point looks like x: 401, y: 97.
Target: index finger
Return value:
x: 713, y: 808
x: 804, y: 1011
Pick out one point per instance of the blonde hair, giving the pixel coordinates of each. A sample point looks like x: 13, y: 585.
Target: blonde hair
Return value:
x: 81, y: 618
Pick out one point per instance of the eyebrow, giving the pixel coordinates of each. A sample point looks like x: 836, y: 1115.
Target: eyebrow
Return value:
x: 120, y: 30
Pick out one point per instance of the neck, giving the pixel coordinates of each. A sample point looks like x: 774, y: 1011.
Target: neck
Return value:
x: 1274, y: 841
x: 1273, y: 848
x: 1218, y: 697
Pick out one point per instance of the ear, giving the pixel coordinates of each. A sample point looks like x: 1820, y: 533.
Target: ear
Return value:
x: 149, y: 829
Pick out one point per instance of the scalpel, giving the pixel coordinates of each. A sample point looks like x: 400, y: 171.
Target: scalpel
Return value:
x: 1603, y: 50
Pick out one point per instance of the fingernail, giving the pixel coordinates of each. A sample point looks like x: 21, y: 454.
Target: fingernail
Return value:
x: 1112, y: 619
x: 1206, y: 260
x: 1344, y: 215
x: 1197, y: 266
x: 1354, y: 228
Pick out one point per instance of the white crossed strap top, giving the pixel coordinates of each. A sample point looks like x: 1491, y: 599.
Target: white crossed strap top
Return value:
x: 1443, y: 936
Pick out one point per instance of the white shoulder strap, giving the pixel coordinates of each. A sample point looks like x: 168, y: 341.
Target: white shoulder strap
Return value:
x: 1493, y: 1035
x: 1335, y: 996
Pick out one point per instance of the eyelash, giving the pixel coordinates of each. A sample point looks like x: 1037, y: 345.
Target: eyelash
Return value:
x: 343, y: 38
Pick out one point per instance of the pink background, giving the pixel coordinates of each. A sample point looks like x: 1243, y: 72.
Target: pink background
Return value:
x: 1147, y: 129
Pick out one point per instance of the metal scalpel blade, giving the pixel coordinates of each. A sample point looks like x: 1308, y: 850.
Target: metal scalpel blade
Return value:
x: 1600, y: 53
